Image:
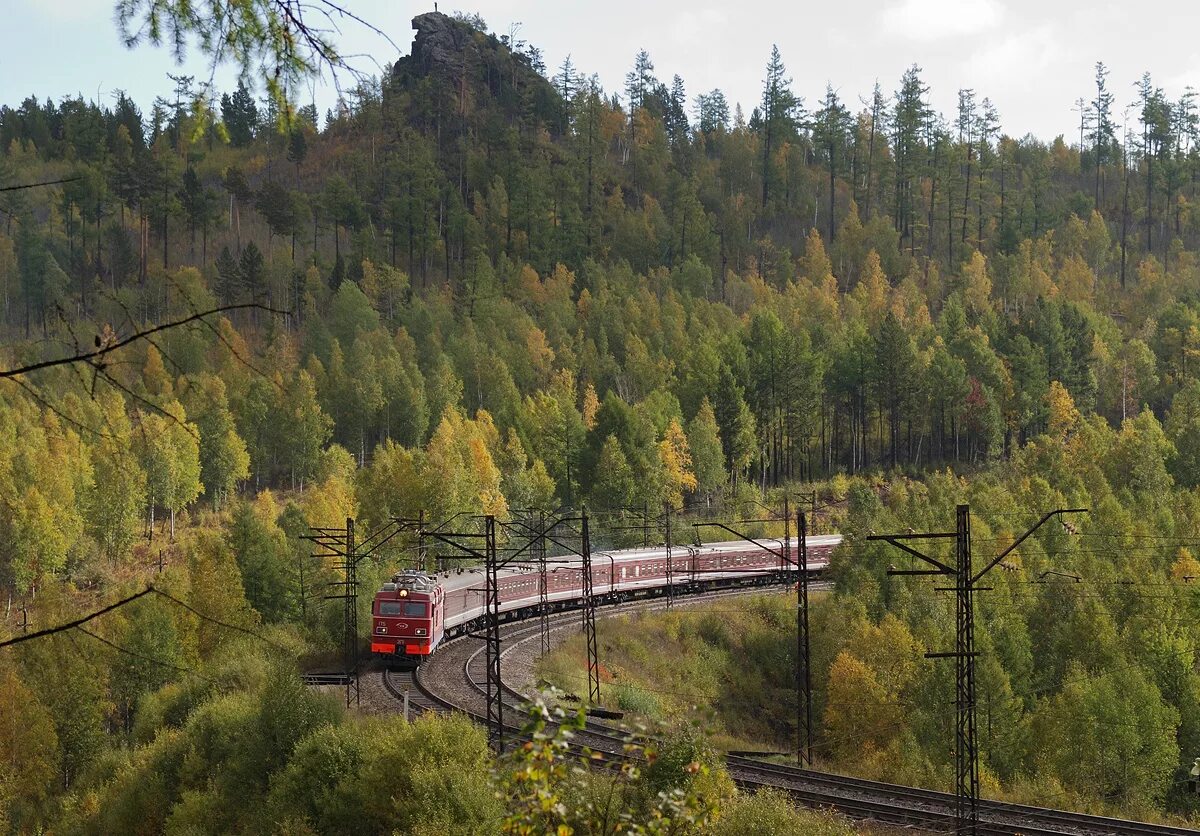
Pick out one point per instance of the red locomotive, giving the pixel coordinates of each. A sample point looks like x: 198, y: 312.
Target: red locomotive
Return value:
x: 408, y: 616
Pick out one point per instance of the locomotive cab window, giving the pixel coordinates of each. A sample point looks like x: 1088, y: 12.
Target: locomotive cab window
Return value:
x: 406, y: 609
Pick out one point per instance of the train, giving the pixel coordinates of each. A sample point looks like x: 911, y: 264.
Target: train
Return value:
x: 415, y: 611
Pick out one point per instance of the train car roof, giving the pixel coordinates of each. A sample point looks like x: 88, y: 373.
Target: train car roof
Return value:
x: 469, y: 576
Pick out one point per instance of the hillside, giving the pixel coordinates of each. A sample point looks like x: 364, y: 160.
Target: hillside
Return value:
x: 481, y: 285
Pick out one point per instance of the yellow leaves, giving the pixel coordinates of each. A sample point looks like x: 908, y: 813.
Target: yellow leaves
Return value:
x: 871, y: 293
x: 858, y: 710
x: 29, y: 746
x: 265, y: 506
x: 531, y: 287
x: 816, y: 265
x: 486, y: 477
x: 977, y: 285
x: 560, y: 282
x: 591, y: 405
x: 908, y: 304
x: 541, y: 355
x: 584, y: 306
x: 1185, y: 567
x: 676, y: 460
x: 154, y: 374
x: 1076, y: 281
x: 867, y: 681
x: 38, y: 544
x: 1064, y: 417
x: 382, y: 284
x: 458, y: 468
x: 331, y: 503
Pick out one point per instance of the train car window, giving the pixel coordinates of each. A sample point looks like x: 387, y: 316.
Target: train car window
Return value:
x: 389, y: 607
x: 414, y: 609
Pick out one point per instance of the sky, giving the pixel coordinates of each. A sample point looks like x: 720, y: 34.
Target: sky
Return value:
x: 1032, y: 58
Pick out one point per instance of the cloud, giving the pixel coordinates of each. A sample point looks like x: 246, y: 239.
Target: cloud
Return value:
x: 701, y: 25
x: 74, y: 11
x: 1188, y: 78
x: 1020, y: 57
x: 932, y: 20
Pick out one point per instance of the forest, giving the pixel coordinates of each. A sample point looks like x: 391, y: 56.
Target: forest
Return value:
x: 481, y: 284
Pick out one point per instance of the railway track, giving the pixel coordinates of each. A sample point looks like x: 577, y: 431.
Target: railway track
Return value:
x: 453, y: 683
x: 930, y: 808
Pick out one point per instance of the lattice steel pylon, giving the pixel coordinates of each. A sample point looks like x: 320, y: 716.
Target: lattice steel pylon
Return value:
x: 543, y: 586
x: 804, y: 747
x: 494, y: 696
x: 966, y: 753
x: 350, y: 615
x: 589, y: 613
x: 670, y: 555
x: 966, y: 749
x: 339, y: 543
x: 343, y: 543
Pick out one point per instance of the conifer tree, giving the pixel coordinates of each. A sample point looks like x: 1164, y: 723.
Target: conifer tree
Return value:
x: 778, y: 114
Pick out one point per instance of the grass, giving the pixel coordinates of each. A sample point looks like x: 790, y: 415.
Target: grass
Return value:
x: 723, y: 666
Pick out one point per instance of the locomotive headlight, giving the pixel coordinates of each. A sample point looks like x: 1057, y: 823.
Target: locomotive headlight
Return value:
x: 420, y: 631
x: 404, y: 593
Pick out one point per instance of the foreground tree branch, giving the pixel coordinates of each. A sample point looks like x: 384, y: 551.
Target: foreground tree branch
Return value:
x: 109, y: 347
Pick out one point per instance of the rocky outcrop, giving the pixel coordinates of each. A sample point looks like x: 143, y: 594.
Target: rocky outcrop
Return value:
x: 440, y: 43
x: 461, y: 59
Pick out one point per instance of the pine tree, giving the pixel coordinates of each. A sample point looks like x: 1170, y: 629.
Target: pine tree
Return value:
x: 229, y: 277
x: 613, y: 486
x: 297, y: 149
x: 831, y: 129
x: 1103, y: 134
x: 910, y: 116
x: 251, y: 271
x: 712, y: 112
x: 676, y: 116
x: 778, y: 113
x: 240, y: 114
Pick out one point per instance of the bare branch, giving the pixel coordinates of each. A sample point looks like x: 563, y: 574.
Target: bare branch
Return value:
x: 91, y: 356
x: 72, y: 624
x: 36, y: 185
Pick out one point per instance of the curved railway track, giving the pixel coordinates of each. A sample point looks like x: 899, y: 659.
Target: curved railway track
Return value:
x: 450, y: 681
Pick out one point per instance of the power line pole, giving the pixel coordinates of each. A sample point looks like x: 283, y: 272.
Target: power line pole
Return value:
x: 495, y: 700
x: 341, y: 542
x: 803, y: 677
x: 966, y: 753
x: 350, y: 615
x: 543, y: 586
x: 786, y: 559
x: 422, y: 557
x: 670, y: 556
x: 589, y: 615
x: 537, y: 536
x: 493, y: 694
x: 804, y: 754
x: 966, y: 749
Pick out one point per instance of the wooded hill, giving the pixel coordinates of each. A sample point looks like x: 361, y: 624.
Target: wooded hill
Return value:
x: 481, y: 285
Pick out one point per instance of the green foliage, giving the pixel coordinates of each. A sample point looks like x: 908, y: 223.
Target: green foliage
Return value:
x: 263, y: 557
x: 1110, y: 735
x: 562, y: 297
x: 548, y: 789
x: 771, y: 813
x: 383, y: 776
